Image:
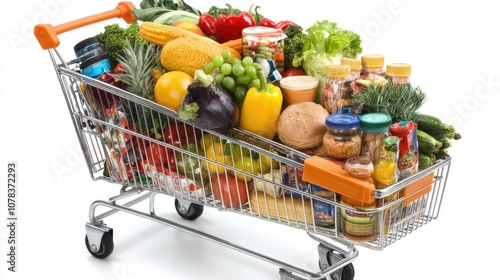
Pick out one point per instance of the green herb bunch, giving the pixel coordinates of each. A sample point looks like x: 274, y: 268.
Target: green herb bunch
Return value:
x: 401, y: 102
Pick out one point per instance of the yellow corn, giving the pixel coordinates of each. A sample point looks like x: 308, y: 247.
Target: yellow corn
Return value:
x: 161, y: 34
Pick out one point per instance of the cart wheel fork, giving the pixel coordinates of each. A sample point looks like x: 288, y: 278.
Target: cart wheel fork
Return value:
x: 95, y: 233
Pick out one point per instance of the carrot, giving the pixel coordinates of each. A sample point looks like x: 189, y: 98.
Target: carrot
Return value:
x: 236, y: 44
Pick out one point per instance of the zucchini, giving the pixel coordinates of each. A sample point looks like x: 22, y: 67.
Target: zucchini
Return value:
x: 427, y: 143
x: 446, y: 142
x: 442, y: 153
x: 433, y: 126
x: 425, y: 160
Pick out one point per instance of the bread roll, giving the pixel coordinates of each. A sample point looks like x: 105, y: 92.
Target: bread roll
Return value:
x: 302, y: 125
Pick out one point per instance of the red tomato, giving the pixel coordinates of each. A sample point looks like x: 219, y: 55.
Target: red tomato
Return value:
x: 229, y: 190
x: 161, y: 156
x: 293, y: 72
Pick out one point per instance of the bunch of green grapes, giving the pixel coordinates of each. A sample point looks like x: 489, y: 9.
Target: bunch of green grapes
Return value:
x: 236, y: 75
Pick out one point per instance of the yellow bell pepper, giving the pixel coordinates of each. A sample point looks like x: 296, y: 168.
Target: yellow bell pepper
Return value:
x: 261, y: 108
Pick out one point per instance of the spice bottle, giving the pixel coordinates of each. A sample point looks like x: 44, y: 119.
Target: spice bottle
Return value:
x: 342, y: 139
x: 374, y: 128
x: 93, y: 60
x: 358, y: 220
x: 398, y: 73
x: 336, y: 89
x: 385, y: 174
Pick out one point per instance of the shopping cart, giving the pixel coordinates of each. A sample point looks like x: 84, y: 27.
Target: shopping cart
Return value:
x: 110, y: 124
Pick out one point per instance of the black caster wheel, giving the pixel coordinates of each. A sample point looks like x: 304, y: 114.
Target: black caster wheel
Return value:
x: 107, y: 246
x: 348, y: 272
x: 191, y: 213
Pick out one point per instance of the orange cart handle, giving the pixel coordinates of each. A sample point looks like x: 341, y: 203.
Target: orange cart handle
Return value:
x: 46, y: 34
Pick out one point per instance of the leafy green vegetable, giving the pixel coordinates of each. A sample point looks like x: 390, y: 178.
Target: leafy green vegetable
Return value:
x: 175, y: 5
x: 294, y: 44
x: 325, y: 43
x: 114, y: 39
x: 166, y: 11
x: 216, y: 11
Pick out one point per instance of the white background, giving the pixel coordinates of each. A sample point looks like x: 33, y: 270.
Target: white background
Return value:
x: 453, y: 48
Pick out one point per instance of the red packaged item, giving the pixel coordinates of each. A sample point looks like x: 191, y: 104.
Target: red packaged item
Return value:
x: 406, y: 131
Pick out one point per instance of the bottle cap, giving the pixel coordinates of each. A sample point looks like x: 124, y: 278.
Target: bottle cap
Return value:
x: 338, y: 71
x: 372, y: 60
x: 342, y: 121
x: 398, y: 70
x: 375, y: 122
x: 355, y: 64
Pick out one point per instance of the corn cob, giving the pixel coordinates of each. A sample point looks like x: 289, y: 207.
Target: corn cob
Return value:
x: 161, y: 34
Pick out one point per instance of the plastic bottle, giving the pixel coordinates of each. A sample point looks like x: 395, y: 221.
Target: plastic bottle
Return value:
x: 398, y: 73
x: 93, y: 60
x: 336, y: 88
x: 355, y: 66
x: 385, y: 174
x: 372, y: 64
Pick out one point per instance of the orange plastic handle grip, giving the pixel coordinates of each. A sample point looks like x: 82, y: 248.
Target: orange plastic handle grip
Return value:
x: 46, y: 34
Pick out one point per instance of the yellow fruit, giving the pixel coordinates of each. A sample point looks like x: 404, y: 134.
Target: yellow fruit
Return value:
x: 171, y: 88
x: 189, y: 26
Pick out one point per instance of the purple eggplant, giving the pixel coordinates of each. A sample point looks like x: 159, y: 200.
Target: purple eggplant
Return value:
x: 208, y: 104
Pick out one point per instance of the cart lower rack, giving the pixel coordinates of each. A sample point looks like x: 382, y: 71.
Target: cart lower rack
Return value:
x: 183, y: 161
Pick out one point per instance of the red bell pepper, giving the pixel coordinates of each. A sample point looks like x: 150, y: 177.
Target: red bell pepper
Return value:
x: 278, y: 25
x: 267, y: 23
x: 231, y: 27
x: 284, y: 24
x: 208, y: 24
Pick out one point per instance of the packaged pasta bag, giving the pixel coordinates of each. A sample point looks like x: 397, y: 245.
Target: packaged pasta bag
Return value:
x: 406, y: 131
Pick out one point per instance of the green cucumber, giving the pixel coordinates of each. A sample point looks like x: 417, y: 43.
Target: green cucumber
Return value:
x: 427, y: 143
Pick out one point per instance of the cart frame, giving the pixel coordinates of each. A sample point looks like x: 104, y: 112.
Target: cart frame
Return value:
x: 336, y: 251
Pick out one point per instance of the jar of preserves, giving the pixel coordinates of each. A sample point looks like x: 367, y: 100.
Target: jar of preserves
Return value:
x: 374, y: 128
x: 398, y: 73
x: 336, y: 90
x: 342, y: 139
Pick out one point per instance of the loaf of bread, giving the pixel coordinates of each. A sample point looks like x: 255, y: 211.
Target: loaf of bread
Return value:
x: 302, y: 125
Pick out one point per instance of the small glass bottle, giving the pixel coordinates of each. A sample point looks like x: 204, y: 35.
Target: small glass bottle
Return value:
x: 335, y: 87
x: 398, y: 73
x: 374, y: 128
x: 342, y: 139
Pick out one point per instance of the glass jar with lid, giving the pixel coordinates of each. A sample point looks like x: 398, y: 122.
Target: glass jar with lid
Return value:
x: 342, y: 139
x: 336, y: 89
x: 398, y: 73
x: 374, y: 128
